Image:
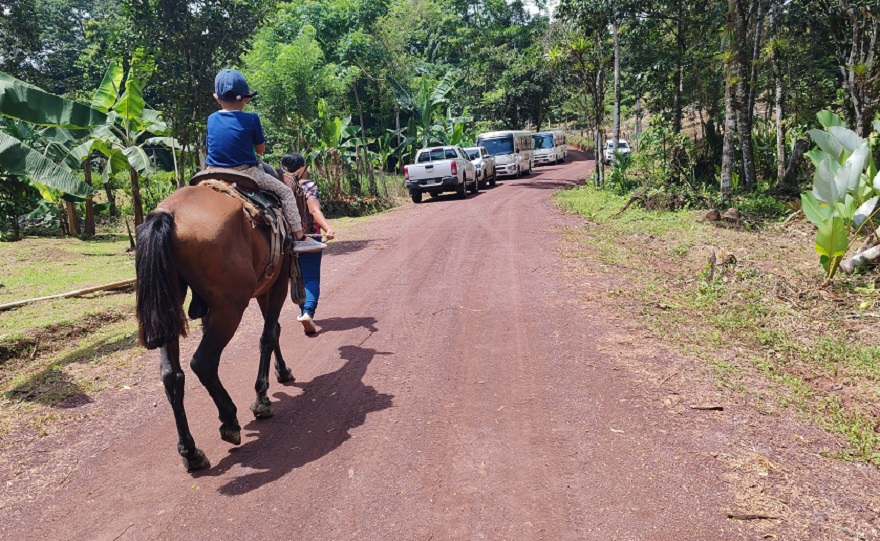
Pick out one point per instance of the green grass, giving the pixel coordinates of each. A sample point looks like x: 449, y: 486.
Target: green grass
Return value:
x: 38, y: 267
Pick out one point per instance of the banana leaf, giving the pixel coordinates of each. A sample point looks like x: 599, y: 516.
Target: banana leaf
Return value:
x: 106, y: 94
x: 31, y: 104
x: 131, y: 104
x: 19, y: 159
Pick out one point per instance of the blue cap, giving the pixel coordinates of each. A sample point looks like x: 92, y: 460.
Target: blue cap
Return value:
x: 230, y: 85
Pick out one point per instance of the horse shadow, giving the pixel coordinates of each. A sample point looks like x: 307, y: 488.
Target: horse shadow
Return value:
x: 306, y: 427
x: 347, y: 324
x: 342, y: 247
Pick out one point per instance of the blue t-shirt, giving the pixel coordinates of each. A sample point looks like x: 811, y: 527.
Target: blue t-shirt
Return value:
x: 231, y: 138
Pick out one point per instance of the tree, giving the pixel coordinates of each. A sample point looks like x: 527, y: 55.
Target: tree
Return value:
x: 190, y: 42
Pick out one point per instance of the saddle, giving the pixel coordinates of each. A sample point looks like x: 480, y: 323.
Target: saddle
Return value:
x: 262, y: 208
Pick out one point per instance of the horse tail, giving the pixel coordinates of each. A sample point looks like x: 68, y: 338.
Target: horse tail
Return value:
x: 159, y: 293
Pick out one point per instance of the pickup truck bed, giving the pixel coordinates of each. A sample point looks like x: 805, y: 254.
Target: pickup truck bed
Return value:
x: 438, y: 170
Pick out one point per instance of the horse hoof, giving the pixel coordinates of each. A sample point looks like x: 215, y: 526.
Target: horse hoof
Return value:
x: 233, y: 436
x: 197, y: 461
x: 261, y: 411
x: 285, y: 376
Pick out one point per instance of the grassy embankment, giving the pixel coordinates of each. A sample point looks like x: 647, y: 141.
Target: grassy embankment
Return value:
x: 54, y: 353
x: 815, y: 349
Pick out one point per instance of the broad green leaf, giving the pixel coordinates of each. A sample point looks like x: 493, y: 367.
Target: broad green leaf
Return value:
x: 848, y: 175
x: 168, y: 142
x: 849, y: 208
x: 72, y: 198
x: 865, y: 211
x: 138, y: 160
x: 105, y: 95
x: 825, y: 261
x: 824, y: 186
x: 60, y: 136
x: 816, y: 156
x: 831, y: 238
x: 19, y: 159
x: 79, y: 152
x: 827, y: 143
x: 813, y: 210
x: 117, y: 162
x: 102, y: 207
x: 847, y: 138
x: 47, y: 193
x: 828, y: 119
x: 31, y: 104
x: 154, y: 123
x: 131, y: 104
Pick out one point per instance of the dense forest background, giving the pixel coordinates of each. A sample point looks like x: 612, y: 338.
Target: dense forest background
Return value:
x: 717, y: 96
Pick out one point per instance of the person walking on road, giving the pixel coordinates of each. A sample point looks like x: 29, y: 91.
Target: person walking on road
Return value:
x: 293, y: 167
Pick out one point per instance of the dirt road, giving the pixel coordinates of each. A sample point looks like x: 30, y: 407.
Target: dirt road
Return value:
x: 458, y: 389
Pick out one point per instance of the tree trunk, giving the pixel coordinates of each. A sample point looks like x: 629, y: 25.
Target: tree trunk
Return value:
x: 72, y: 218
x: 756, y: 53
x: 789, y: 183
x: 778, y: 103
x: 727, y: 154
x: 90, y: 204
x: 677, y: 78
x: 638, y: 118
x: 744, y: 125
x: 397, y: 122
x: 615, y: 135
x: 108, y: 189
x: 136, y: 203
x: 357, y: 100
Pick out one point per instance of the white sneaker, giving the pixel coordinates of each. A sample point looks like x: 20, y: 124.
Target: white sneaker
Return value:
x: 308, y: 323
x: 308, y: 245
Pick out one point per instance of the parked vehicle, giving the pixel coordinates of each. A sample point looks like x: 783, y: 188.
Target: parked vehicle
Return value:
x: 550, y: 147
x: 608, y: 153
x: 438, y: 170
x: 513, y: 151
x: 484, y: 164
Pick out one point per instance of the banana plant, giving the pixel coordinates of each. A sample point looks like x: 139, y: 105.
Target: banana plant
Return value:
x: 387, y: 149
x: 27, y: 103
x: 117, y: 126
x: 335, y: 145
x: 452, y: 130
x: 130, y: 129
x: 846, y: 189
x: 426, y: 105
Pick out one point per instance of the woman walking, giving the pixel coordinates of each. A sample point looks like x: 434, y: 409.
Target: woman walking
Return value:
x: 293, y: 166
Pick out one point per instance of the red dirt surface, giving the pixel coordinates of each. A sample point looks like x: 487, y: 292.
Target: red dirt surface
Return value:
x: 459, y: 388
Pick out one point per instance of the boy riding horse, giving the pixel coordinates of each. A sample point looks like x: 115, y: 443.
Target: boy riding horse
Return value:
x: 234, y: 140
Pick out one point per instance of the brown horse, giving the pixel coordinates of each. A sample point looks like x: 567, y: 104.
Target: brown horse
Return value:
x: 201, y: 239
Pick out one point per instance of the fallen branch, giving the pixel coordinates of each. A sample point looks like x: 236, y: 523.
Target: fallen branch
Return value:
x: 77, y: 293
x: 752, y: 517
x: 633, y: 199
x: 868, y: 256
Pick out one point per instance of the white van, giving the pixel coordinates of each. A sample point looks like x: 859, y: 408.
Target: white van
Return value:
x: 513, y: 150
x: 550, y: 147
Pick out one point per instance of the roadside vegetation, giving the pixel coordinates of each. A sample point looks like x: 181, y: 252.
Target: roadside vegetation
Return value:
x: 745, y: 303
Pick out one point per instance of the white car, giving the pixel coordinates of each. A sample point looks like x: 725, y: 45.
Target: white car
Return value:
x: 484, y: 164
x: 622, y: 148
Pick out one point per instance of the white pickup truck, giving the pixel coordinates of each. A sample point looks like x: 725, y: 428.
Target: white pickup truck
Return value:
x: 438, y: 170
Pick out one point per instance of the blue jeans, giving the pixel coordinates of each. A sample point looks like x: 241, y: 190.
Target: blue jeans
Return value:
x: 310, y: 263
